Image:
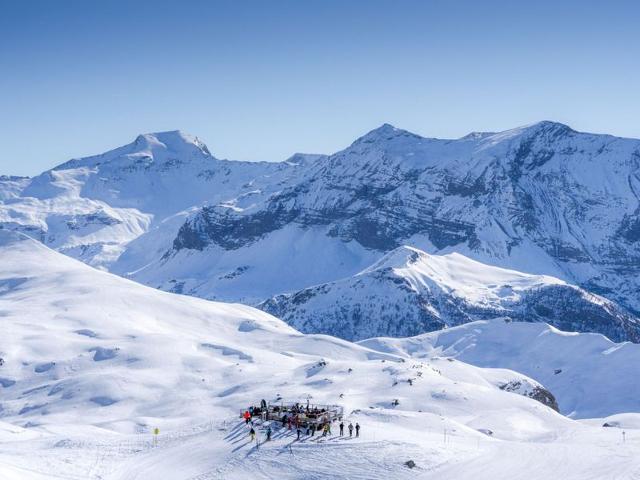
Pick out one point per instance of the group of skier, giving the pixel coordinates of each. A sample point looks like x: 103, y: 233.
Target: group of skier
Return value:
x: 310, y: 429
x: 326, y: 429
x: 252, y: 433
x: 305, y: 420
x: 351, y: 428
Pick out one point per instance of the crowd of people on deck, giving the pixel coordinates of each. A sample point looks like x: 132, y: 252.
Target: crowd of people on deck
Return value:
x: 306, y: 420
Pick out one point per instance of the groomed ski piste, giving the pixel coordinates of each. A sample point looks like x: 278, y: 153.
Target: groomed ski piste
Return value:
x: 93, y: 363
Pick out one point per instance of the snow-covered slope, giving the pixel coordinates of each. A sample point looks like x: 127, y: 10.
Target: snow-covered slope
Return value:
x: 590, y: 375
x: 78, y: 338
x: 92, y: 363
x: 409, y: 292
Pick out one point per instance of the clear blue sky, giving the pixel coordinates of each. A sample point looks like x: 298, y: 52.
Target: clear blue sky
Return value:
x: 260, y: 80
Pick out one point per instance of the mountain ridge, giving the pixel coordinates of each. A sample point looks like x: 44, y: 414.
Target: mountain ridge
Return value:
x: 541, y: 199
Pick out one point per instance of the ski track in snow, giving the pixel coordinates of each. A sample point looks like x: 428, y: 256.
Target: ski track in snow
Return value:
x: 216, y: 451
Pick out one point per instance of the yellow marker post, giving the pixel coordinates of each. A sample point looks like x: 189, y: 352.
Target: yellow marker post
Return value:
x: 156, y: 432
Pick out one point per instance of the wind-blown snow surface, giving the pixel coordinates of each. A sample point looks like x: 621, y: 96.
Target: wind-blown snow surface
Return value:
x: 93, y: 362
x: 409, y: 292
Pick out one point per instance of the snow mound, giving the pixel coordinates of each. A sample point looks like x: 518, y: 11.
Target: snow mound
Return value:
x: 589, y: 375
x: 466, y: 278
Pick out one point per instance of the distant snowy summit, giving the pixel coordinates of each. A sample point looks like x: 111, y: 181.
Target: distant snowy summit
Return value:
x: 542, y: 199
x: 159, y: 148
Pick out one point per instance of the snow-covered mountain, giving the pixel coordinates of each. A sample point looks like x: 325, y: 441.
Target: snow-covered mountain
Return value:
x: 409, y: 292
x: 93, y: 208
x: 541, y: 199
x: 92, y: 363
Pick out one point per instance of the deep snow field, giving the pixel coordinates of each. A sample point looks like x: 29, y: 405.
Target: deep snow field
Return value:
x: 93, y: 363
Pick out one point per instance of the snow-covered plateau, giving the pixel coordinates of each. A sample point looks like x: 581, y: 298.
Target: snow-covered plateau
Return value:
x: 92, y: 363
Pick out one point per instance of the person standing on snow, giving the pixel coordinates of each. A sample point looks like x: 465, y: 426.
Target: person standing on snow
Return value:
x: 247, y: 417
x: 357, y: 429
x: 252, y: 432
x: 298, y: 431
x: 350, y: 429
x: 341, y: 428
x: 269, y: 433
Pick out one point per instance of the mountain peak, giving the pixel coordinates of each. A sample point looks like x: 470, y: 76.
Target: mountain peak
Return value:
x: 545, y: 126
x: 397, y: 258
x: 158, y: 145
x: 174, y: 140
x: 384, y: 132
x: 546, y: 129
